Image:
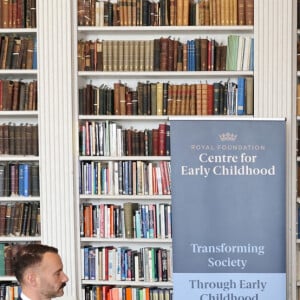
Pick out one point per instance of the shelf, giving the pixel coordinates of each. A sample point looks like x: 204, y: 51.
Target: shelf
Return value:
x: 127, y: 118
x: 19, y: 199
x: 125, y: 241
x: 18, y: 72
x: 168, y: 29
x: 8, y: 278
x: 114, y: 158
x: 19, y: 113
x: 14, y: 239
x: 128, y: 283
x: 18, y: 158
x: 127, y: 197
x: 18, y: 30
x: 161, y: 74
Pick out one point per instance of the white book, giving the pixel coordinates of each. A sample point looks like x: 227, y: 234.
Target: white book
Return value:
x: 240, y: 54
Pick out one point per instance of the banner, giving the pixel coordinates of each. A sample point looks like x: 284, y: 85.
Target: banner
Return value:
x: 228, y: 209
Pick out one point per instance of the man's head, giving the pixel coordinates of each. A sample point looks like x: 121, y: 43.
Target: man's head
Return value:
x: 39, y: 270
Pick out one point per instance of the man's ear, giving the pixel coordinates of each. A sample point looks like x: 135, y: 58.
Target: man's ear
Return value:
x: 30, y: 277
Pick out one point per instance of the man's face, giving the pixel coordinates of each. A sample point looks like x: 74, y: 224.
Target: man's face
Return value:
x: 51, y: 278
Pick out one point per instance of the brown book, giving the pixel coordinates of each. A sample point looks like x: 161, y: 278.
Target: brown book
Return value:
x: 179, y: 12
x: 8, y: 260
x: 298, y: 99
x: 2, y: 218
x: 198, y: 100
x: 204, y: 99
x: 28, y: 139
x: 185, y: 12
x: 142, y: 45
x: 1, y: 10
x: 250, y: 96
x: 193, y: 99
x: 1, y: 94
x: 128, y: 99
x: 5, y: 130
x: 35, y: 140
x: 232, y: 12
x: 117, y: 98
x: 23, y: 53
x: 155, y: 141
x: 241, y: 12
x: 213, y: 12
x: 18, y: 140
x: 183, y: 99
x: 15, y: 97
x: 249, y: 12
x: 210, y: 99
x: 3, y: 53
x: 227, y: 12
x: 12, y: 141
x: 184, y: 57
x: 5, y: 13
x: 16, y: 54
x: 204, y: 54
x: 173, y: 12
x: 129, y: 213
x: 1, y: 139
x: 178, y: 99
x: 223, y: 55
x: 159, y: 98
x: 170, y: 99
x: 164, y: 52
x: 122, y: 97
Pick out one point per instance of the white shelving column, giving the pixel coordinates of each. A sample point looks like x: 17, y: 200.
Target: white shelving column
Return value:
x: 56, y: 142
x: 274, y: 82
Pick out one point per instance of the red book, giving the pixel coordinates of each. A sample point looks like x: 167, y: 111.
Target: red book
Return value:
x: 155, y: 139
x: 162, y: 139
x: 210, y: 99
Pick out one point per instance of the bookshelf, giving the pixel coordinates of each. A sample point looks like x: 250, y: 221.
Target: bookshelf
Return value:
x: 92, y: 81
x: 297, y: 206
x: 19, y: 150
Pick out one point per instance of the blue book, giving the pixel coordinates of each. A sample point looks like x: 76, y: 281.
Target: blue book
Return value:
x: 26, y: 180
x: 34, y: 59
x: 251, y: 68
x: 21, y: 179
x: 2, y: 262
x: 138, y: 230
x: 86, y: 262
x: 92, y: 263
x: 241, y: 96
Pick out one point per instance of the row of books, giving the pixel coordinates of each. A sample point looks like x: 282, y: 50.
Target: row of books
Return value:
x: 18, y: 52
x: 19, y: 139
x: 17, y: 13
x: 132, y: 220
x: 19, y: 179
x: 20, y: 219
x: 106, y: 138
x: 18, y: 95
x: 98, y: 292
x: 167, y: 54
x: 124, y: 178
x: 165, y: 98
x: 124, y: 264
x: 165, y: 13
x: 10, y: 291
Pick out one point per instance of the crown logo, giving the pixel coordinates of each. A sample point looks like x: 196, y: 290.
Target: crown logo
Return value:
x: 227, y: 137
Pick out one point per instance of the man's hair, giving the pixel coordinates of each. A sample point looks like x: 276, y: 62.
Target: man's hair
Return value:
x: 29, y: 255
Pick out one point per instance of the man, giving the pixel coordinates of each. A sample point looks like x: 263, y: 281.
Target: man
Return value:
x: 39, y: 270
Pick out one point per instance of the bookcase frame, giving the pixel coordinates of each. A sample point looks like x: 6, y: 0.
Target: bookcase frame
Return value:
x: 130, y: 78
x: 18, y: 117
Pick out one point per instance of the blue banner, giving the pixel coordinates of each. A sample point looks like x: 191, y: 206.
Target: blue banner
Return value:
x: 228, y: 209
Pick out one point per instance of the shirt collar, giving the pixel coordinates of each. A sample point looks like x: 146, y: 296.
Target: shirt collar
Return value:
x: 24, y: 297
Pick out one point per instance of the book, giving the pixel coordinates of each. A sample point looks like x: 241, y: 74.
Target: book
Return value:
x: 129, y: 212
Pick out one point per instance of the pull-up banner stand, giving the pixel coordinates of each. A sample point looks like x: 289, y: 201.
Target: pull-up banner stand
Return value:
x: 228, y: 209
